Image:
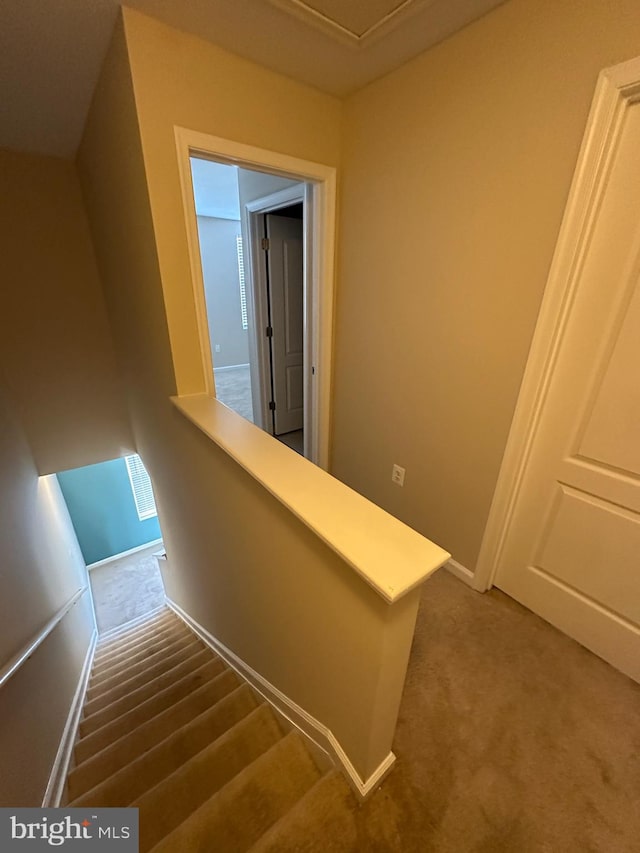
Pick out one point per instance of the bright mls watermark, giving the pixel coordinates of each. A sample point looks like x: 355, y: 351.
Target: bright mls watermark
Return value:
x: 82, y: 830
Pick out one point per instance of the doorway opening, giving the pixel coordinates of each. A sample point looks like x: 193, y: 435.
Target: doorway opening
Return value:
x: 282, y: 270
x: 264, y: 301
x: 251, y: 242
x: 113, y: 512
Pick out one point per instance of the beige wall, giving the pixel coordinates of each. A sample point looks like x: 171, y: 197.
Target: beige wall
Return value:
x: 181, y: 80
x: 239, y: 562
x: 55, y: 343
x: 42, y: 568
x: 456, y: 170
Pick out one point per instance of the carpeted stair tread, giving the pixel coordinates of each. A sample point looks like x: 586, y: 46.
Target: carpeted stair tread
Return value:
x: 149, y: 622
x: 134, y: 743
x: 326, y: 810
x: 137, y: 675
x: 237, y: 815
x: 138, y: 652
x: 170, y: 802
x: 128, y: 639
x: 146, y: 771
x: 136, y: 663
x: 129, y: 645
x: 124, y: 651
x: 145, y: 618
x: 140, y: 629
x: 91, y: 743
x: 169, y: 729
x: 135, y: 697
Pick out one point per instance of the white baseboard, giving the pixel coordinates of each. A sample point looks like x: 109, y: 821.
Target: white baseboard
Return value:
x: 311, y: 728
x: 460, y: 571
x: 122, y: 554
x: 229, y: 367
x: 58, y: 776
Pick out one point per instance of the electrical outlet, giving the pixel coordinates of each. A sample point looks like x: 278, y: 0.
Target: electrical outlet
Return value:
x: 217, y: 347
x: 397, y: 475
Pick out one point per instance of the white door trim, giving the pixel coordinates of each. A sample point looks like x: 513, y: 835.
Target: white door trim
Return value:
x: 616, y: 88
x: 320, y: 204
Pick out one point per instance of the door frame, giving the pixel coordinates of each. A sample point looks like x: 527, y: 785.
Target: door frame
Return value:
x: 320, y: 207
x: 259, y: 357
x: 616, y: 88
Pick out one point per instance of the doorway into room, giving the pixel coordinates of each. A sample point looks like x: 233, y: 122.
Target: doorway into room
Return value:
x: 251, y: 243
x: 113, y: 512
x: 284, y: 233
x: 271, y: 388
x: 278, y: 276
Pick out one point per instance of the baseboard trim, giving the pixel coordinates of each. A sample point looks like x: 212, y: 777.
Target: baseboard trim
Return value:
x: 308, y: 726
x: 122, y: 554
x: 461, y: 572
x: 231, y: 366
x: 58, y: 776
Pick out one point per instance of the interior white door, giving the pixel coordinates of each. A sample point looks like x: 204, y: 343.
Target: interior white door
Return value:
x: 286, y: 304
x: 572, y: 549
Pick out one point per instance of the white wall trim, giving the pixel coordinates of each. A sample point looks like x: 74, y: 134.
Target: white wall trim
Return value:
x: 321, y: 208
x: 311, y: 728
x: 58, y: 776
x: 616, y: 87
x: 461, y: 572
x: 152, y: 544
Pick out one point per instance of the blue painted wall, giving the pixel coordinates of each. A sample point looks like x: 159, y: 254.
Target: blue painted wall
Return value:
x: 103, y: 510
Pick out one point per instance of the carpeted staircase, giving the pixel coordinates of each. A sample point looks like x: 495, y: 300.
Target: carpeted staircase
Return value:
x: 168, y: 728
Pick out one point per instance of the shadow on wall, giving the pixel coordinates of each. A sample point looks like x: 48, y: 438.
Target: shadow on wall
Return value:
x: 109, y: 517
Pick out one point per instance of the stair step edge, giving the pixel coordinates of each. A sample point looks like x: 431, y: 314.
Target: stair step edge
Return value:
x: 151, y: 664
x: 187, y: 834
x: 194, y: 673
x: 269, y: 841
x: 140, y: 639
x: 156, y: 616
x: 136, y: 688
x: 240, y: 696
x: 120, y: 702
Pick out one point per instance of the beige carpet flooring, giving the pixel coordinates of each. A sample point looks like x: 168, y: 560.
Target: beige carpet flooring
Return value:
x: 294, y: 440
x: 233, y: 388
x: 126, y: 588
x: 511, y: 737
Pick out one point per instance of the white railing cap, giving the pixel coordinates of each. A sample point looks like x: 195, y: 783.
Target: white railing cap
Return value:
x: 388, y: 554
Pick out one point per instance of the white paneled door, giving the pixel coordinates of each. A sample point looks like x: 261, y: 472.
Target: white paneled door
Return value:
x: 286, y: 304
x: 572, y: 547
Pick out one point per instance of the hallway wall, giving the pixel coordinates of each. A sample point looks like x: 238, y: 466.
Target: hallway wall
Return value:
x: 241, y: 581
x: 219, y: 255
x: 64, y: 407
x: 462, y: 160
x: 42, y: 568
x: 55, y: 340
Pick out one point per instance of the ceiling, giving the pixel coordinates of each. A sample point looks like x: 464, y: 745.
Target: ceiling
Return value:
x: 215, y: 189
x: 51, y: 52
